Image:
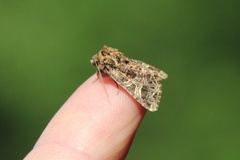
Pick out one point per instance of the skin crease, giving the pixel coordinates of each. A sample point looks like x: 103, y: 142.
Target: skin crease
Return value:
x: 98, y: 121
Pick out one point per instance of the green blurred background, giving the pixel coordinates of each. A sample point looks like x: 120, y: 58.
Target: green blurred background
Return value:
x: 45, y: 48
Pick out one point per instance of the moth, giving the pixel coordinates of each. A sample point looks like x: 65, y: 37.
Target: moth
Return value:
x: 141, y: 80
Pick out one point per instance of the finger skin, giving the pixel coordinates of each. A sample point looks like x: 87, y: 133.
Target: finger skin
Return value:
x: 97, y: 122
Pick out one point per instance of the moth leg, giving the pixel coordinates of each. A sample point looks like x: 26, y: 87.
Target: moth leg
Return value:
x: 100, y: 75
x: 117, y: 87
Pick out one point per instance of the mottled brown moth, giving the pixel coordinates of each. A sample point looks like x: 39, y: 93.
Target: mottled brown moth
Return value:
x: 141, y: 80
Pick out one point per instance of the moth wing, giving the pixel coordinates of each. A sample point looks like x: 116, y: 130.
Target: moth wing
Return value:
x: 148, y: 95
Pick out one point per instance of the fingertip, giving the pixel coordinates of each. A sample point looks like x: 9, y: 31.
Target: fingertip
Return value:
x: 99, y: 119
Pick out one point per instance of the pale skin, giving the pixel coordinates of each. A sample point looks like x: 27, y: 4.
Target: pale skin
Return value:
x: 98, y: 121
